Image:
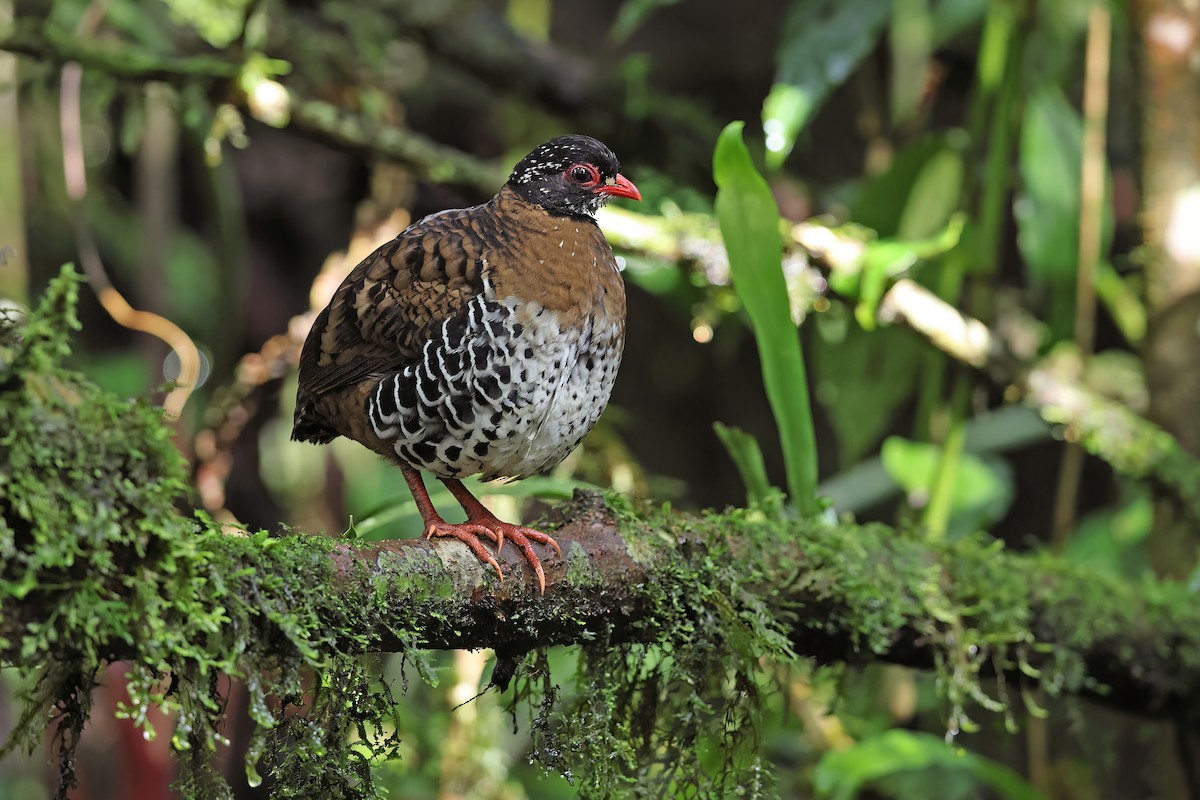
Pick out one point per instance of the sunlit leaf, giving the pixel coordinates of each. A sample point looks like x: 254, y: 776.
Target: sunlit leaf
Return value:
x: 218, y: 21
x: 983, y: 488
x: 749, y: 221
x: 821, y: 44
x: 840, y: 775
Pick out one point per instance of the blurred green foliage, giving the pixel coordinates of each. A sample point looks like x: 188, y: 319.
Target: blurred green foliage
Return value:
x: 938, y: 141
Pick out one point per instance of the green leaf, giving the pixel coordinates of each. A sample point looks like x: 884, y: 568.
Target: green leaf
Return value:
x: 747, y: 456
x: 862, y: 378
x: 1047, y: 208
x: 632, y: 14
x: 749, y: 222
x: 1110, y: 541
x: 910, y: 40
x: 887, y: 260
x: 218, y: 21
x: 821, y: 44
x: 983, y: 488
x: 1054, y: 43
x: 1123, y: 302
x: 842, y: 773
x: 934, y: 195
x: 918, y: 192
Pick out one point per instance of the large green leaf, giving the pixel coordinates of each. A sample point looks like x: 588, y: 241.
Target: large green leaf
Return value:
x: 821, y: 44
x: 842, y: 773
x: 861, y: 379
x: 749, y: 221
x: 1047, y: 207
x: 1110, y: 541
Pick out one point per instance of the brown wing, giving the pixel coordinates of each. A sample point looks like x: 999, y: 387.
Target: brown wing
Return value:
x: 387, y: 307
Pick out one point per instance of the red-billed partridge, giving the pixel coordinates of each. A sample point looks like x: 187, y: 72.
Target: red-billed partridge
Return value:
x: 480, y: 341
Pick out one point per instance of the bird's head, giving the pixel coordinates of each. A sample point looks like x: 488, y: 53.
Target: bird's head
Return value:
x: 573, y: 175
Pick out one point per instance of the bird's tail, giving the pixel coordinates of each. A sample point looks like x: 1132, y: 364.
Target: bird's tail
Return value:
x: 308, y: 425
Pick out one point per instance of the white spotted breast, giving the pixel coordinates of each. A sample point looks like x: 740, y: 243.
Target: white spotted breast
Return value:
x: 505, y: 389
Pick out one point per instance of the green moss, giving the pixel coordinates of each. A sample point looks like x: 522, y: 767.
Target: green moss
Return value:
x: 90, y: 485
x: 581, y: 574
x: 91, y: 538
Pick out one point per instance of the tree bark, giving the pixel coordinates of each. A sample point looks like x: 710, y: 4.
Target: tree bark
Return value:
x: 1170, y: 82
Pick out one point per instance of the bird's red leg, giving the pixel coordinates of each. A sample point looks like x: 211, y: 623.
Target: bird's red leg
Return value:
x: 521, y: 536
x: 467, y: 532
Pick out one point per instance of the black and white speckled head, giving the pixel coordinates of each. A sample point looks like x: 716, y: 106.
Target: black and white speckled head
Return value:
x: 572, y: 175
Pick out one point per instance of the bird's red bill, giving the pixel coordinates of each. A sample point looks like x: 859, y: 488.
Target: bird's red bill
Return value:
x: 622, y: 187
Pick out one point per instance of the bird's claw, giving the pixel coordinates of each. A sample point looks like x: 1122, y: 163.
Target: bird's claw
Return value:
x: 468, y: 533
x: 521, y: 537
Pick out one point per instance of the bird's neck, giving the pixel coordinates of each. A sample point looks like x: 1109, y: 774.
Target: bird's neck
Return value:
x: 561, y: 263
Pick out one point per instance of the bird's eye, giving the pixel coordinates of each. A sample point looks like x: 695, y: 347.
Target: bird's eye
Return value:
x: 583, y: 174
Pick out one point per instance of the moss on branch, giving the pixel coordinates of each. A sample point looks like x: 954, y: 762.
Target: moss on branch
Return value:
x: 670, y: 611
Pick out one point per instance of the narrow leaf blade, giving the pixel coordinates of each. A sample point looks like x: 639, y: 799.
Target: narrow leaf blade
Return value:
x: 749, y: 222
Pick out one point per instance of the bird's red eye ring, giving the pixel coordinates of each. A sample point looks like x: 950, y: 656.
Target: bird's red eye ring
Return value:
x: 583, y: 174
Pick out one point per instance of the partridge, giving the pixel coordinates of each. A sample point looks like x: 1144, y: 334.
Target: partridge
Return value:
x: 480, y: 341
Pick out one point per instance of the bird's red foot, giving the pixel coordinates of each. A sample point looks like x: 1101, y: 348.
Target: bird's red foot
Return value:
x: 478, y: 514
x: 521, y: 536
x: 468, y: 533
x: 496, y: 530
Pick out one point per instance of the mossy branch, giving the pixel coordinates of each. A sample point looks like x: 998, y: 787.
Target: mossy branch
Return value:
x: 847, y: 594
x: 97, y: 565
x: 317, y: 119
x: 48, y: 45
x: 349, y: 131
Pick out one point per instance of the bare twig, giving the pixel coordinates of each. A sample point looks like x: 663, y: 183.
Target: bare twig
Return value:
x: 1091, y: 218
x: 434, y: 161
